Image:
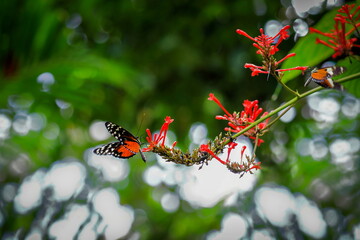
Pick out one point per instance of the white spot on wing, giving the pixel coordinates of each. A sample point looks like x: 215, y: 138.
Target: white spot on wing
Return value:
x: 330, y: 71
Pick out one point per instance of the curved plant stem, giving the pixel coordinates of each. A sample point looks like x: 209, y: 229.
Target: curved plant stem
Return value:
x: 285, y: 86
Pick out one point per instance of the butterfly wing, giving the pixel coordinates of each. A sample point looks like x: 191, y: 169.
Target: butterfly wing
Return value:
x: 130, y: 147
x: 323, y: 77
x: 118, y: 150
x: 109, y: 149
x: 127, y: 146
x: 118, y: 132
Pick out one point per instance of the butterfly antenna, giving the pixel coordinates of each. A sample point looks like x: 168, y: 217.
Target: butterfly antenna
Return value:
x: 141, y: 122
x: 310, y: 78
x: 308, y: 81
x: 141, y: 153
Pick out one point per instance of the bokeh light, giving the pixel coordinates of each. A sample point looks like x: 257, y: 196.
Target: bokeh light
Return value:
x: 233, y: 226
x: 110, y: 168
x: 46, y: 79
x: 116, y: 219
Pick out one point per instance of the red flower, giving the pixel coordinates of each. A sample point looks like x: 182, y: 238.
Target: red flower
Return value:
x: 267, y: 47
x: 237, y: 122
x: 205, y: 148
x: 265, y: 43
x: 158, y: 138
x: 232, y: 145
x: 338, y: 38
x: 233, y: 165
x: 349, y: 17
x: 255, y: 166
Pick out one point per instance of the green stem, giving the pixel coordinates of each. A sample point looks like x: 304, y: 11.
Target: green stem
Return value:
x: 287, y: 88
x: 277, y: 118
x: 284, y: 85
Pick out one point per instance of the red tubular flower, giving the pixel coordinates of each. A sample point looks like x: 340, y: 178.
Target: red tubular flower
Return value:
x: 244, y: 165
x: 158, y: 138
x: 242, y: 152
x: 265, y: 43
x: 349, y: 17
x: 213, y: 98
x: 205, y: 148
x: 255, y: 166
x: 231, y: 146
x: 267, y: 47
x: 338, y: 38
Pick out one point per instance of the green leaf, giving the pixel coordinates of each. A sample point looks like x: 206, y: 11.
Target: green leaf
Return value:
x: 352, y: 86
x: 308, y: 53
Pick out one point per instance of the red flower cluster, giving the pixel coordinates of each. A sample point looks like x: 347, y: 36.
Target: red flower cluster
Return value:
x: 338, y: 38
x: 158, y: 138
x: 264, y: 42
x: 238, y: 121
x: 267, y: 47
x: 349, y: 17
x: 239, y: 167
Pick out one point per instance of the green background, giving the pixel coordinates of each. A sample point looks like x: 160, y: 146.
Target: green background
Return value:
x: 135, y: 62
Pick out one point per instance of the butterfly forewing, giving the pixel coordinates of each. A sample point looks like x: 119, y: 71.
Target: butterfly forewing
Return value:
x: 118, y: 132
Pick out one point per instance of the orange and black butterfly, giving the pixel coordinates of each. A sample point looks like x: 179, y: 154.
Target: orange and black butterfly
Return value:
x: 126, y: 147
x: 323, y: 77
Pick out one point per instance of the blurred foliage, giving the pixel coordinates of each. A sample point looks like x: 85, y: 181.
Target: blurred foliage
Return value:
x: 135, y: 62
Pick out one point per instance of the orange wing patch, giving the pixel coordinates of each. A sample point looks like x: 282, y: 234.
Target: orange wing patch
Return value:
x: 323, y: 77
x: 320, y: 74
x: 128, y: 149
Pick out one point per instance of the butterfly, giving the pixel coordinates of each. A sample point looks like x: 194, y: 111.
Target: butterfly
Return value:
x: 323, y: 77
x: 126, y: 147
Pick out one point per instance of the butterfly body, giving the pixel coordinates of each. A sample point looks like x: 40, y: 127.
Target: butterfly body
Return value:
x: 126, y: 147
x: 323, y: 77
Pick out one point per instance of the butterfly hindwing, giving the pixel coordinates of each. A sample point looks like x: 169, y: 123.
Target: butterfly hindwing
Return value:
x: 108, y: 149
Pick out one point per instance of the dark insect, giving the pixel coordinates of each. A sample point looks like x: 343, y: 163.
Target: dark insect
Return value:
x: 323, y: 77
x: 126, y: 147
